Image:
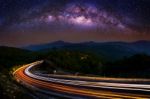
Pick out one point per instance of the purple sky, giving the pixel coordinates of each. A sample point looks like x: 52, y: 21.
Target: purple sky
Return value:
x: 26, y: 22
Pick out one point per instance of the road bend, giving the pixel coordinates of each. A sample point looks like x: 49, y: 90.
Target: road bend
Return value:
x: 68, y: 86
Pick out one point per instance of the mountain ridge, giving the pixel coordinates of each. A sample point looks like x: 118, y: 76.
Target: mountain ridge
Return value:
x: 115, y: 50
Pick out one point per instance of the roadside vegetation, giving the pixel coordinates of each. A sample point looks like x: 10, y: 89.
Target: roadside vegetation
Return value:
x: 136, y: 66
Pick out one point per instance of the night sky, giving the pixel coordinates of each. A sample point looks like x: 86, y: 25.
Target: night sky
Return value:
x: 26, y: 22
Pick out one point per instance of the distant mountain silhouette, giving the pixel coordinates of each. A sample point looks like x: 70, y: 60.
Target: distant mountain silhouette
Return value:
x: 109, y: 50
x: 56, y: 44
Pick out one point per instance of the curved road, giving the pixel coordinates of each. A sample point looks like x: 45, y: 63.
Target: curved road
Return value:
x: 80, y: 86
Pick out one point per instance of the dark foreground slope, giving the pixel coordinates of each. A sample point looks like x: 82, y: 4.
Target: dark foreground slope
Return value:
x: 10, y: 57
x: 13, y: 56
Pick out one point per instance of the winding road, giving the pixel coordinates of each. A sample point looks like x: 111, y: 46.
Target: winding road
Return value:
x: 68, y: 86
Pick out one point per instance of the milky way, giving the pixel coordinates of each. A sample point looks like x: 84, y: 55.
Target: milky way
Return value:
x: 24, y: 22
x: 85, y: 15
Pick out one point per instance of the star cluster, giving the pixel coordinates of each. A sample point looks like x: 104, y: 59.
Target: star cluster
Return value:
x: 88, y: 15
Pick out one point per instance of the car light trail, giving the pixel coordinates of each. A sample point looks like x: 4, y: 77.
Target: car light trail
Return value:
x: 80, y: 88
